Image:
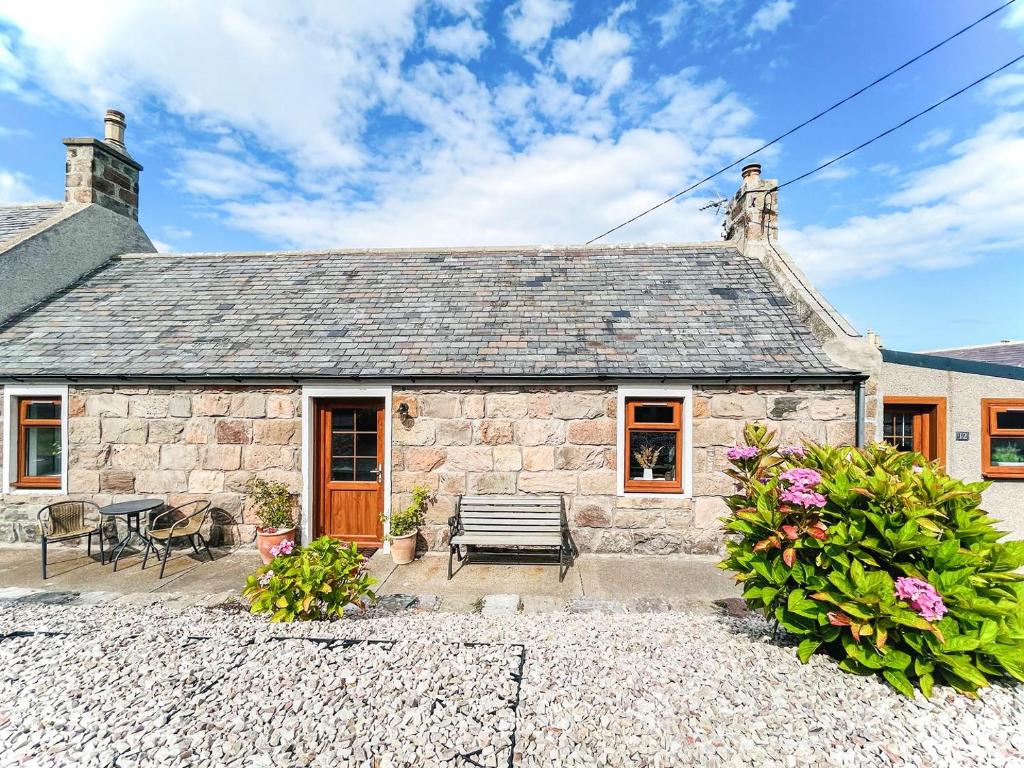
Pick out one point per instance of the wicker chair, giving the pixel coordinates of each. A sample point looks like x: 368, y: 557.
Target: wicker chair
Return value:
x: 65, y: 520
x: 185, y: 521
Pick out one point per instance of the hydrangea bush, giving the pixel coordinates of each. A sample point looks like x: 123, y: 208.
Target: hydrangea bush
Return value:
x: 879, y: 559
x: 313, y: 582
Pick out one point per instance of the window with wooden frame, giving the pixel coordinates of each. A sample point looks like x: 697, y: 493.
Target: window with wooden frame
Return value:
x: 653, y: 446
x: 39, y: 442
x: 916, y: 424
x: 1002, y: 438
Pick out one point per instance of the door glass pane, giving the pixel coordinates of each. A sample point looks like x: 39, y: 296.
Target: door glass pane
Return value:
x: 1010, y: 419
x: 898, y: 429
x: 652, y: 456
x: 366, y: 420
x: 366, y: 445
x: 1007, y: 452
x: 341, y: 469
x: 366, y: 470
x: 342, y: 418
x: 653, y: 413
x: 42, y: 410
x: 342, y: 444
x: 42, y: 451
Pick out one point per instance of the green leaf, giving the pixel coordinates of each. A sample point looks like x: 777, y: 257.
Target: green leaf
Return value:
x: 899, y: 681
x: 926, y: 681
x: 806, y: 649
x: 897, y: 660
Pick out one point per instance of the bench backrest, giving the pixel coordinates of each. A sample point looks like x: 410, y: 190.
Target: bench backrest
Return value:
x: 511, y: 514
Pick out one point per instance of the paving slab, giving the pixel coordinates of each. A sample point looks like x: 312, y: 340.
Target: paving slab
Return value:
x: 16, y: 593
x: 500, y: 605
x: 668, y: 578
x: 542, y: 604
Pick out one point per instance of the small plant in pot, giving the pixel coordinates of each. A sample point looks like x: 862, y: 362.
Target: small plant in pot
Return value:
x: 406, y: 523
x: 274, y: 505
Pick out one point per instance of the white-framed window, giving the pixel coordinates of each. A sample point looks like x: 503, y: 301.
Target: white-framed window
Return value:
x: 654, y: 441
x: 35, y: 439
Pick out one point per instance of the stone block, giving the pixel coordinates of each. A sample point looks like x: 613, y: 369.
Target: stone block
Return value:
x: 788, y: 407
x: 166, y: 430
x: 707, y: 510
x: 491, y: 482
x: 205, y: 481
x: 579, y: 457
x: 83, y: 430
x: 107, y: 404
x: 453, y: 483
x: 599, y: 431
x: 715, y: 432
x: 591, y: 512
x: 276, y: 431
x: 473, y: 406
x: 160, y: 481
x: 657, y: 542
x: 76, y: 404
x: 257, y: 458
x: 83, y: 481
x: 237, y: 481
x: 494, y: 432
x: 598, y: 482
x: 149, y: 406
x: 424, y: 459
x: 199, y: 431
x: 701, y: 406
x: 681, y: 517
x: 475, y: 458
x: 180, y: 406
x: 280, y: 407
x: 578, y: 405
x: 796, y: 432
x: 547, y: 482
x: 135, y: 456
x: 90, y: 456
x: 830, y: 408
x: 508, y: 458
x: 539, y: 432
x: 539, y: 406
x: 248, y: 405
x: 713, y: 484
x: 537, y: 458
x: 222, y: 457
x: 738, y: 406
x: 117, y: 481
x: 454, y: 432
x: 506, y: 405
x: 414, y: 432
x: 178, y: 456
x: 402, y: 482
x: 638, y: 518
x: 841, y: 432
x: 612, y: 541
x: 211, y: 404
x: 438, y: 405
x: 233, y: 431
x: 133, y: 430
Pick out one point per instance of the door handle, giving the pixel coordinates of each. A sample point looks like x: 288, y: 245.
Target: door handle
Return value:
x: 380, y: 473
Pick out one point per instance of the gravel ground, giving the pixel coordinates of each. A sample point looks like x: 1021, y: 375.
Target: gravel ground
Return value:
x: 213, y: 687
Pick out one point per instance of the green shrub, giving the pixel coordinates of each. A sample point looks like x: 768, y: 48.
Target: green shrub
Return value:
x: 273, y: 503
x: 840, y: 563
x: 314, y: 582
x: 411, y: 519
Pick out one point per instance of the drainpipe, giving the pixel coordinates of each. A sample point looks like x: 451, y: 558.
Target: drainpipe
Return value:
x: 860, y: 409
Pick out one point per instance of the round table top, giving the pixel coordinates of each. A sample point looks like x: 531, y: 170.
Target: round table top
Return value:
x: 133, y: 507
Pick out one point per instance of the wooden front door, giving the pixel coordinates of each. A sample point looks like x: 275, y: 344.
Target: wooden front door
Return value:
x: 350, y: 470
x: 916, y: 424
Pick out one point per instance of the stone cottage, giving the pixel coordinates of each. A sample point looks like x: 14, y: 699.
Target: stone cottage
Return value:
x: 614, y: 375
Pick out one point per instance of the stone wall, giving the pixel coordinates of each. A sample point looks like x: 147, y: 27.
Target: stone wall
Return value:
x: 175, y: 443
x: 562, y: 440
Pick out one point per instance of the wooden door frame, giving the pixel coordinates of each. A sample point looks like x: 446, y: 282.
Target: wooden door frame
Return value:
x: 935, y: 412
x: 310, y: 395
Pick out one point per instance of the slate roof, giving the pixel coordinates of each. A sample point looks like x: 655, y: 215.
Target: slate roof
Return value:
x: 1004, y: 353
x: 15, y: 219
x: 700, y: 310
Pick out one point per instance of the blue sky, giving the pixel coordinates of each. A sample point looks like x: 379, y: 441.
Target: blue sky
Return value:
x: 462, y: 122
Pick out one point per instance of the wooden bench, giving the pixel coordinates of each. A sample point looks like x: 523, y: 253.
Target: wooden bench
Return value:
x: 510, y: 521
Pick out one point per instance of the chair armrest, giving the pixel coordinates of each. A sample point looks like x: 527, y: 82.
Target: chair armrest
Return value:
x: 454, y: 524
x: 43, y: 521
x: 152, y: 521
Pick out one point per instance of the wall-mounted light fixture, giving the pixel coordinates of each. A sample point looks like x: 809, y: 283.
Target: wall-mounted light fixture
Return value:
x: 403, y: 410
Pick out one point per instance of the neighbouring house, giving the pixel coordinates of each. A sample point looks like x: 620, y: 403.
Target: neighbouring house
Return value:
x: 615, y: 375
x: 1005, y: 352
x: 967, y: 414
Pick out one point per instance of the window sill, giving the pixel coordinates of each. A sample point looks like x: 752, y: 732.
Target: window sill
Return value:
x: 625, y: 494
x: 36, y: 490
x: 996, y: 474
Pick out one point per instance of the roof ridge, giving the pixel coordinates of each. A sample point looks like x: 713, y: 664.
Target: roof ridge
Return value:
x: 36, y: 204
x: 461, y: 249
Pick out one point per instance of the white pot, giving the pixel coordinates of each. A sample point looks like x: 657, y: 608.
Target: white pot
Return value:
x: 648, y: 473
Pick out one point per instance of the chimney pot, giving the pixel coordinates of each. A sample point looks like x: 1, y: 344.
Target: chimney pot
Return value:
x: 753, y: 169
x: 113, y: 129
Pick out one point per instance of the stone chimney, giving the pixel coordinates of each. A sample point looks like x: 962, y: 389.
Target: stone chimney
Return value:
x: 103, y: 172
x: 754, y: 211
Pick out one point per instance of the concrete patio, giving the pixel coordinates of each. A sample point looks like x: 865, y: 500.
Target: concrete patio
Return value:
x: 676, y: 581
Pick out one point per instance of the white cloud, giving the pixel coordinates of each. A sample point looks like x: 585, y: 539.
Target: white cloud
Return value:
x: 593, y: 55
x: 935, y: 138
x: 769, y: 17
x: 529, y: 23
x: 1015, y: 18
x: 15, y: 188
x: 219, y: 176
x: 946, y: 215
x: 463, y: 40
x: 162, y: 247
x: 177, y: 233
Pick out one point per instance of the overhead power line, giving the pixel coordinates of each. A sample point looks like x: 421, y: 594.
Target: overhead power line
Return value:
x: 808, y: 121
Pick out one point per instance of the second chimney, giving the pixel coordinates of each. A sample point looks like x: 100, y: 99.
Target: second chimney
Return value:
x: 103, y: 172
x: 754, y: 210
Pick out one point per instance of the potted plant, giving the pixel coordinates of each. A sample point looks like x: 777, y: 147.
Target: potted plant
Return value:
x: 405, y: 524
x: 274, y: 505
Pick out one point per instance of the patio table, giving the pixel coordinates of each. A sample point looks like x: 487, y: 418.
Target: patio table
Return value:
x: 131, y: 511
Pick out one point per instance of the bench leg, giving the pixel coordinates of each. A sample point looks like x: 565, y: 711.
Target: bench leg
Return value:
x: 561, y: 564
x: 451, y: 553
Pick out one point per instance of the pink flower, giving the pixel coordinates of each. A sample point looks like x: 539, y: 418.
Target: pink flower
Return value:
x: 792, y: 451
x: 742, y: 452
x: 922, y: 597
x: 803, y: 498
x: 801, y: 478
x: 283, y: 548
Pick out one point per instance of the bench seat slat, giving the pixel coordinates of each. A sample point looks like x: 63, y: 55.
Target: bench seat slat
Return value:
x: 510, y: 539
x: 524, y: 519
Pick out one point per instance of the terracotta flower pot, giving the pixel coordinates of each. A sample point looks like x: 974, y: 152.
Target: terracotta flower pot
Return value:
x: 403, y: 548
x: 271, y: 538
